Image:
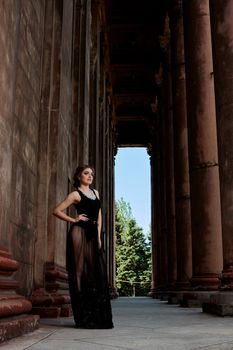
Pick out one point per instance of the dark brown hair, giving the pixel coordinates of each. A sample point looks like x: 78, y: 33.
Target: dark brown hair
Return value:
x: 78, y: 172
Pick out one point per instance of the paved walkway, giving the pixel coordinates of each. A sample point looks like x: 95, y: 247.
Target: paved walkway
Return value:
x: 140, y: 324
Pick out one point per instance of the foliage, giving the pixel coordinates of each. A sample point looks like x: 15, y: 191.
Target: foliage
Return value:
x: 133, y: 253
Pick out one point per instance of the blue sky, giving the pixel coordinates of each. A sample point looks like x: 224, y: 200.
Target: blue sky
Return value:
x: 132, y: 183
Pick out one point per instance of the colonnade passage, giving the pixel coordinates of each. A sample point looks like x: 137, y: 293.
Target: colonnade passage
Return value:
x: 78, y: 80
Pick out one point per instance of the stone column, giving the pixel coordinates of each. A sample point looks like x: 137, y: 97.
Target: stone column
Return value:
x: 94, y: 91
x: 13, y: 306
x: 169, y: 174
x: 162, y: 211
x: 181, y: 160
x: 42, y: 211
x: 154, y: 242
x: 112, y: 245
x: 107, y: 199
x: 50, y: 297
x: 203, y: 155
x: 154, y: 150
x: 103, y: 157
x: 222, y: 34
x: 84, y: 81
x: 75, y: 80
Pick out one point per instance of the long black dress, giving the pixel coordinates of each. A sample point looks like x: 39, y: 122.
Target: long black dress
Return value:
x: 86, y: 268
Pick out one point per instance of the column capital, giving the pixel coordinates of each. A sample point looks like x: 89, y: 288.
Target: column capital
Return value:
x: 149, y: 149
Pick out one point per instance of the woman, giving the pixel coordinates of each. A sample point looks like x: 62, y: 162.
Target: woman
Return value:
x: 85, y: 262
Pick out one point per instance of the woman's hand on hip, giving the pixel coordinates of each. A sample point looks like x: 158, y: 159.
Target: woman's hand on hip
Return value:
x: 81, y: 217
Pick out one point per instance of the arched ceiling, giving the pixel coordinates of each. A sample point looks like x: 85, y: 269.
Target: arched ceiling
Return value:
x: 134, y: 29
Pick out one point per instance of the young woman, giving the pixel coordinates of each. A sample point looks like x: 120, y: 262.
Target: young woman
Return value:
x: 86, y: 268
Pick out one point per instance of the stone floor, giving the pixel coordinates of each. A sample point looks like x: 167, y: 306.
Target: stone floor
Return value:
x: 140, y: 324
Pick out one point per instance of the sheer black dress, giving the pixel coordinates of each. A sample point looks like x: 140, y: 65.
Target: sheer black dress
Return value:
x: 87, y: 275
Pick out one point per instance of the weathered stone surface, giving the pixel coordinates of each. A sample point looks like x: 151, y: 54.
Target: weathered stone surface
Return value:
x: 13, y: 327
x: 218, y: 309
x: 16, y: 306
x: 8, y: 28
x: 8, y: 264
x: 220, y: 304
x: 11, y: 303
x: 196, y: 299
x: 47, y: 312
x: 56, y: 296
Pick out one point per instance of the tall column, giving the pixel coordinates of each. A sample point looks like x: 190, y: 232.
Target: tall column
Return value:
x: 162, y: 233
x: 50, y: 276
x: 169, y: 172
x: 181, y: 161
x: 154, y: 243
x: 203, y: 155
x: 94, y: 91
x: 107, y: 185
x: 42, y: 212
x: 156, y: 222
x: 13, y: 306
x: 222, y: 32
x: 84, y: 80
x: 112, y: 238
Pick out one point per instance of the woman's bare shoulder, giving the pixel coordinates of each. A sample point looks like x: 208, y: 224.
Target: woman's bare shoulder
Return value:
x: 75, y: 196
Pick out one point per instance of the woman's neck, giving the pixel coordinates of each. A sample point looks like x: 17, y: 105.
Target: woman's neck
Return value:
x: 84, y: 188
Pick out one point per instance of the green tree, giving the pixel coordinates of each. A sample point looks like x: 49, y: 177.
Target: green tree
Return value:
x: 133, y: 253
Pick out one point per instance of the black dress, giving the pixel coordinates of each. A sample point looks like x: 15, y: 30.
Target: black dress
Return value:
x: 87, y: 275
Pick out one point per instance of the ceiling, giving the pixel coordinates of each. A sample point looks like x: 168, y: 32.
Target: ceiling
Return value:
x: 134, y: 28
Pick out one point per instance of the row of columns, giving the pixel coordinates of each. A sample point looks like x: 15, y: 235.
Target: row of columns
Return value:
x: 198, y: 121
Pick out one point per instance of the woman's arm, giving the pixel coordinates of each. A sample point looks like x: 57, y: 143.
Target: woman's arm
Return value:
x: 73, y: 197
x: 99, y: 221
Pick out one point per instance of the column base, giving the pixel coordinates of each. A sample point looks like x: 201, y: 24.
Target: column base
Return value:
x: 53, y: 301
x: 13, y: 307
x: 50, y: 305
x: 12, y: 304
x: 183, y: 286
x: 220, y: 304
x: 159, y: 292
x: 12, y: 327
x: 205, y: 282
x: 113, y: 293
x: 196, y: 298
x: 227, y: 279
x: 152, y: 293
x: 175, y: 297
x: 161, y: 295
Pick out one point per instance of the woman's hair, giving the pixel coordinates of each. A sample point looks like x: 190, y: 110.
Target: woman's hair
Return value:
x: 78, y: 172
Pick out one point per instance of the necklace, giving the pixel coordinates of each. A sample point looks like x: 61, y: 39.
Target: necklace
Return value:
x: 90, y: 194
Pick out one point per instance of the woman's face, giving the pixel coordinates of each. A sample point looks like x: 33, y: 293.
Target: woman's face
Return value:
x: 86, y: 176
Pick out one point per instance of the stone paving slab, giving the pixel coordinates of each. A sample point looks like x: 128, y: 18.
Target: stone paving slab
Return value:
x: 140, y: 324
